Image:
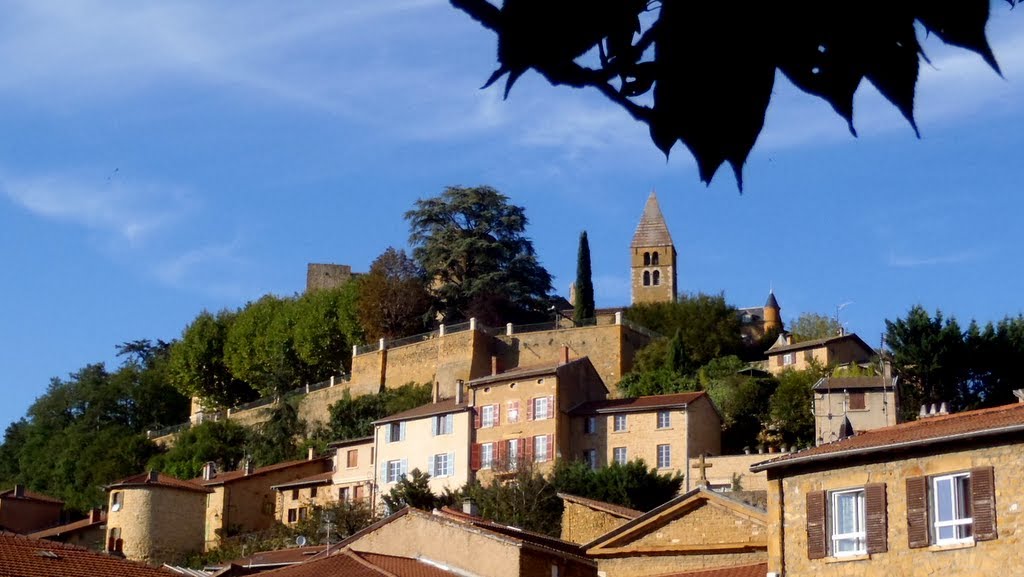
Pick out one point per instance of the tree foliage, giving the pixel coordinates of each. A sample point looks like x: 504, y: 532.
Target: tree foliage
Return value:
x: 811, y: 326
x: 743, y: 400
x: 352, y: 418
x: 707, y: 326
x: 703, y: 72
x: 197, y: 366
x: 792, y: 405
x: 344, y: 518
x: 414, y: 491
x: 583, y: 305
x: 528, y: 500
x: 472, y: 246
x: 631, y: 485
x: 220, y: 442
x: 394, y: 301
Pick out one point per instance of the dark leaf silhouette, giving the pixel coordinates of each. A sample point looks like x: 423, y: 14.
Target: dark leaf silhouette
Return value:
x: 709, y: 78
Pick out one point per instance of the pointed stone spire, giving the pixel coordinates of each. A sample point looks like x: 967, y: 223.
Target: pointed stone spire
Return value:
x: 652, y: 230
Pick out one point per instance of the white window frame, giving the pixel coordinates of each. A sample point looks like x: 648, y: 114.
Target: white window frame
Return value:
x: 664, y: 419
x: 616, y: 452
x: 512, y: 414
x: 394, y: 471
x: 859, y: 536
x: 541, y: 449
x: 487, y: 416
x: 959, y: 495
x: 664, y: 456
x: 513, y: 454
x: 486, y: 455
x: 788, y: 359
x: 619, y: 423
x: 538, y: 414
x: 442, y: 465
x: 444, y: 424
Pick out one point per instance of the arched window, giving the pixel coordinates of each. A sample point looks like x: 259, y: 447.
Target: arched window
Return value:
x: 657, y: 277
x: 654, y: 259
x: 647, y: 278
x: 647, y: 259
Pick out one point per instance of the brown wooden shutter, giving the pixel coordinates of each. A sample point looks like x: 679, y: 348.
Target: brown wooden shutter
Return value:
x: 551, y: 406
x: 502, y: 450
x: 817, y: 544
x: 477, y: 420
x: 529, y: 410
x: 497, y: 414
x: 983, y: 503
x: 917, y: 512
x: 474, y: 457
x: 551, y: 447
x: 528, y: 449
x: 875, y: 518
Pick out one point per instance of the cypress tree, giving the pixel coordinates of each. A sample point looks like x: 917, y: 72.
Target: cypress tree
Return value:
x: 583, y: 307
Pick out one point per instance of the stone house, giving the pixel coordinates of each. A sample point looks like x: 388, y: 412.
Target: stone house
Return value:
x: 350, y: 479
x: 154, y: 517
x: 584, y: 519
x: 838, y: 350
x: 295, y: 500
x: 22, y: 556
x: 844, y: 406
x: 523, y: 414
x: 244, y: 500
x: 940, y: 495
x: 24, y: 511
x: 663, y: 430
x: 470, y: 545
x: 434, y: 438
x: 90, y: 532
x: 698, y: 530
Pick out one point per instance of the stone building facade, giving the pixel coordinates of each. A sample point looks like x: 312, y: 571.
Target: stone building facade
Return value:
x: 24, y: 511
x: 939, y: 496
x: 838, y: 350
x: 155, y: 518
x: 653, y: 258
x: 845, y: 406
x: 584, y: 520
x: 321, y: 276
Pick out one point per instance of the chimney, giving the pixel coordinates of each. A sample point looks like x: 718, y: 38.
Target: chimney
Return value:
x: 942, y: 409
x: 154, y: 476
x: 887, y: 371
x: 789, y: 338
x: 209, y: 471
x: 458, y: 392
x: 495, y: 365
x: 311, y: 454
x: 470, y: 507
x: 923, y: 413
x: 19, y: 490
x: 1019, y: 393
x: 95, y: 516
x: 437, y: 392
x: 248, y: 466
x: 565, y: 355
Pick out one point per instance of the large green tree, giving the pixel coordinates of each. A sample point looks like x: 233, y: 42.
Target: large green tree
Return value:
x: 471, y: 243
x: 929, y: 356
x: 260, y: 347
x: 583, y: 305
x: 197, y: 366
x: 324, y: 328
x: 353, y: 417
x: 528, y: 501
x: 792, y: 405
x: 631, y: 485
x: 810, y: 326
x: 220, y: 442
x: 394, y: 301
x: 708, y: 327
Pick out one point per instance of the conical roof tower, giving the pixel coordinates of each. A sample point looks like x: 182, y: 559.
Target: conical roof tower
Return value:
x: 653, y: 257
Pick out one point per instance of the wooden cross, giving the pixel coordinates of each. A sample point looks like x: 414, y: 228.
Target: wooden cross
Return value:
x: 703, y: 466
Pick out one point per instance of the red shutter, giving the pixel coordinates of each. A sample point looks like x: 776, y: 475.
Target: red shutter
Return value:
x: 551, y: 446
x: 474, y: 457
x: 497, y: 415
x: 983, y: 503
x: 778, y: 361
x: 529, y: 410
x: 527, y: 449
x: 476, y: 418
x: 551, y: 407
x: 817, y: 545
x: 501, y: 460
x: 917, y: 512
x: 876, y: 518
x: 513, y: 409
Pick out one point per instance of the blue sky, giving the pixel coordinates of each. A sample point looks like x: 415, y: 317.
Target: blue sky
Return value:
x: 162, y: 158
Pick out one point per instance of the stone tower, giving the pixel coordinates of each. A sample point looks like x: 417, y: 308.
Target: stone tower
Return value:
x: 653, y: 259
x: 772, y: 313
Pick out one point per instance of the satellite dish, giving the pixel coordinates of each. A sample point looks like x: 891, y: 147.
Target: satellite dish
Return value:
x: 300, y: 541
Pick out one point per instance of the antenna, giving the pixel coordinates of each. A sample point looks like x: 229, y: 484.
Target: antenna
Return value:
x: 840, y: 308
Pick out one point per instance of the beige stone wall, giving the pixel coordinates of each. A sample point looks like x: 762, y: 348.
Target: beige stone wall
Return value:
x: 365, y: 464
x: 414, y: 536
x: 418, y: 450
x: 829, y: 409
x: 314, y: 407
x: 724, y: 467
x: 986, y: 558
x: 94, y: 538
x: 158, y: 524
x: 368, y: 369
x: 213, y: 522
x: 298, y: 497
x: 581, y: 524
x: 709, y: 524
x: 666, y: 290
x: 644, y: 566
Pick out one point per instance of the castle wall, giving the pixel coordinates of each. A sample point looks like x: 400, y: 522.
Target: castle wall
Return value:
x: 158, y: 524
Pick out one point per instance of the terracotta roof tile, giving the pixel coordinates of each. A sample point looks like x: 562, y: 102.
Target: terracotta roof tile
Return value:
x: 162, y: 480
x: 31, y: 496
x: 288, y: 556
x: 841, y: 383
x: 428, y: 410
x: 70, y: 527
x: 651, y: 230
x: 352, y: 564
x: 232, y: 476
x: 636, y: 403
x: 617, y: 510
x: 403, y: 566
x: 516, y: 533
x: 815, y: 343
x: 524, y: 372
x: 755, y: 570
x: 930, y: 430
x: 27, y: 557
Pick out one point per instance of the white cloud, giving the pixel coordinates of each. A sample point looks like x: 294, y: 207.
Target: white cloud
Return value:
x: 915, y: 261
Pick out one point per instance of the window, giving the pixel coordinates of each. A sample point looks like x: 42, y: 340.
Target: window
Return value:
x: 513, y: 454
x: 303, y: 513
x: 312, y: 492
x: 513, y: 412
x: 951, y: 508
x: 488, y: 415
x: 656, y: 278
x: 590, y: 457
x: 620, y: 423
x: 114, y: 542
x: 788, y: 359
x: 443, y: 465
x: 396, y: 432
x: 647, y: 278
x: 116, y: 501
x: 664, y: 456
x: 359, y: 493
x: 847, y: 535
x: 394, y: 470
x: 352, y: 458
x: 856, y: 401
x: 443, y: 424
x: 647, y: 259
x: 541, y: 448
x: 542, y: 408
x: 619, y: 455
x: 293, y: 515
x: 343, y: 494
x: 295, y: 494
x: 589, y: 425
x: 654, y: 260
x: 664, y: 419
x: 486, y: 455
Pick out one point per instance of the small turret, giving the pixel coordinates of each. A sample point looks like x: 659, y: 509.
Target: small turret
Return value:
x: 772, y: 314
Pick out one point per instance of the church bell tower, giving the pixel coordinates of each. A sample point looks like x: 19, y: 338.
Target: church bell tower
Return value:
x: 653, y: 257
